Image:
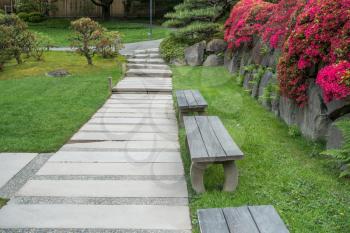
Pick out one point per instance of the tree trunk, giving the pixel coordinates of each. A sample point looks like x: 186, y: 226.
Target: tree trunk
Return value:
x: 89, y: 60
x: 18, y: 58
x: 106, y: 12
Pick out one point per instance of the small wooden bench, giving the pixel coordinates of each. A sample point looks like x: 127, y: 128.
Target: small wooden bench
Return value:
x: 246, y: 219
x: 209, y: 142
x: 190, y: 101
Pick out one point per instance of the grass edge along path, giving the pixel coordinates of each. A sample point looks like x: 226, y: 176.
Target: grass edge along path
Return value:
x: 40, y: 113
x: 286, y: 172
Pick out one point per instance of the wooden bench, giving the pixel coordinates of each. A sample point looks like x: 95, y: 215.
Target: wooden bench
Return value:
x: 247, y: 219
x: 190, y: 101
x: 209, y: 142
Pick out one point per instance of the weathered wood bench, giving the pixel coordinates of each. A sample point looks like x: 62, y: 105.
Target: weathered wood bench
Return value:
x: 190, y: 101
x: 209, y: 142
x: 247, y: 219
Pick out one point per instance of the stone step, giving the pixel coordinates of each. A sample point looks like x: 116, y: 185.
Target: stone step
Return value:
x: 125, y: 146
x: 136, y: 121
x: 140, y: 101
x: 134, y: 217
x: 142, y: 96
x: 104, y: 188
x: 120, y: 136
x: 143, y: 51
x: 146, y: 61
x: 130, y: 128
x: 112, y: 169
x: 149, y: 106
x: 143, y: 89
x: 147, y: 55
x: 133, y: 115
x: 145, y: 81
x: 111, y: 109
x: 148, y: 73
x: 117, y: 157
x: 147, y: 66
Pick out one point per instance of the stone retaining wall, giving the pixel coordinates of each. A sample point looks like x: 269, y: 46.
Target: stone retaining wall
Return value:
x: 315, y: 120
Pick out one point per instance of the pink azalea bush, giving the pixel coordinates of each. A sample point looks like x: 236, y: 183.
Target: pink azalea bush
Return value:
x: 334, y: 81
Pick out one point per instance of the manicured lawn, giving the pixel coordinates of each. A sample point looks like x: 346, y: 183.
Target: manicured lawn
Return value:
x: 133, y: 31
x: 278, y: 169
x: 40, y: 113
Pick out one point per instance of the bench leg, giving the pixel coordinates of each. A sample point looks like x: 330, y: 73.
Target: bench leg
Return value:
x: 181, y: 119
x: 231, y: 176
x: 197, y: 175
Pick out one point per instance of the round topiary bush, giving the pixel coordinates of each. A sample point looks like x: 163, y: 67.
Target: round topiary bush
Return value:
x: 23, y: 16
x: 35, y: 17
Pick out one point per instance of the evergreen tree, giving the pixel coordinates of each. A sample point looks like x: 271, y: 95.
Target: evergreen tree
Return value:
x: 197, y: 19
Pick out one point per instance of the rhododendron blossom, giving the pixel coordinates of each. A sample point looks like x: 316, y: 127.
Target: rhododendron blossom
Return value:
x: 246, y: 20
x: 333, y: 80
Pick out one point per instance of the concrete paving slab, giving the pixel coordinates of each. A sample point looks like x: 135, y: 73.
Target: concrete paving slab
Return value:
x: 95, y: 216
x: 126, y: 146
x: 133, y: 115
x: 142, y: 96
x: 112, y: 169
x: 126, y: 136
x: 146, y: 66
x: 107, y: 108
x: 141, y: 121
x: 129, y: 128
x: 140, y: 101
x: 104, y: 188
x: 116, y: 157
x: 11, y: 164
x: 147, y: 61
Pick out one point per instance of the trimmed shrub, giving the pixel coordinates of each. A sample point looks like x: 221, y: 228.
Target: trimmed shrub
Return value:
x: 23, y: 16
x: 36, y: 17
x: 171, y: 49
x: 109, y: 44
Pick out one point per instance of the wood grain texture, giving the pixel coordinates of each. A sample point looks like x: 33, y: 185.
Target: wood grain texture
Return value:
x: 212, y: 221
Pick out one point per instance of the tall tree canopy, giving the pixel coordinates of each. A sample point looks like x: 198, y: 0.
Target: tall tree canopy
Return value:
x: 106, y: 7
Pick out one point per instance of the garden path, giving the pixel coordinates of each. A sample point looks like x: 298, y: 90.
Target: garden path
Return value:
x: 121, y: 172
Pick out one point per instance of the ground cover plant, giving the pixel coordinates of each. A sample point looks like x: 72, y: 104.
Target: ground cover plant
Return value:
x: 131, y: 30
x: 2, y: 202
x: 280, y: 170
x: 40, y: 113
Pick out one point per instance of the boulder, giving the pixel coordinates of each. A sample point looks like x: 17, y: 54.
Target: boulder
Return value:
x: 178, y: 62
x: 312, y: 119
x: 194, y: 55
x: 266, y: 80
x: 257, y: 54
x: 58, y: 73
x: 246, y: 59
x: 247, y: 83
x: 216, y: 46
x: 335, y: 138
x: 338, y: 108
x: 214, y: 60
x: 287, y: 110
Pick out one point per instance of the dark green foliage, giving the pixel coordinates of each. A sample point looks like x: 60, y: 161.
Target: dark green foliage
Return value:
x: 343, y: 154
x: 29, y: 6
x: 171, y: 49
x: 35, y: 17
x: 23, y: 16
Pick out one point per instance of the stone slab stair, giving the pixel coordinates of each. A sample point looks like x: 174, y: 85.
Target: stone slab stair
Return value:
x: 121, y: 172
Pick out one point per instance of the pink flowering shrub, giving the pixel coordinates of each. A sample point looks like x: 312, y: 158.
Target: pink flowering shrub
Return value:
x: 335, y: 81
x: 321, y: 36
x: 246, y: 20
x: 281, y: 22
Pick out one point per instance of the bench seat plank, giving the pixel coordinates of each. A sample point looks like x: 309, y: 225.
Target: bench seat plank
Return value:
x: 229, y: 146
x: 211, y: 143
x: 181, y: 99
x: 194, y: 138
x: 199, y: 99
x: 212, y: 221
x: 240, y: 220
x: 267, y: 219
x: 192, y: 103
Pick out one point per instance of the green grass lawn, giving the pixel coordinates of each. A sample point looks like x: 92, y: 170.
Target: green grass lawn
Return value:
x: 132, y: 31
x: 40, y: 113
x: 277, y: 169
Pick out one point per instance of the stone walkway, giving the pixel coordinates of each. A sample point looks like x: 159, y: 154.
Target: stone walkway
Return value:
x: 122, y: 172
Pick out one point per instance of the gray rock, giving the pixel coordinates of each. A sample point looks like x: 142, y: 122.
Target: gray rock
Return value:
x: 266, y: 80
x: 312, y: 119
x: 246, y: 59
x: 337, y: 108
x: 214, y: 60
x: 335, y: 138
x: 58, y: 73
x: 257, y: 55
x: 216, y: 46
x: 194, y: 55
x: 247, y: 83
x: 287, y: 110
x: 178, y: 62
